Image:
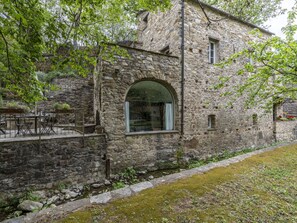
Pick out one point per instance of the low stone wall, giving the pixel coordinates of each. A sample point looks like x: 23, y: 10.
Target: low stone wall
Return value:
x: 33, y: 164
x: 286, y: 130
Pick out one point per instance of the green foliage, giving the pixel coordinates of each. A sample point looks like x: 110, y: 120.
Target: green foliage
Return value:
x: 179, y: 157
x: 17, y: 105
x: 128, y: 176
x: 48, y: 77
x: 61, y: 106
x: 225, y: 155
x: 1, y: 101
x: 60, y: 185
x: 73, y: 34
x: 29, y: 195
x: 269, y: 73
x: 118, y: 185
x: 255, y: 12
x: 259, y: 189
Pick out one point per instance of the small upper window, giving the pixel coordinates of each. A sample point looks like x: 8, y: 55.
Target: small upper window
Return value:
x: 212, y: 51
x: 211, y: 121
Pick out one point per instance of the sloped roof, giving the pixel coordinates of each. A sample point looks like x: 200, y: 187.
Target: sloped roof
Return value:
x: 227, y: 15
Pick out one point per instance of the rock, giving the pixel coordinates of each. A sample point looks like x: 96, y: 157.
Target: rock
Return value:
x: 17, y: 213
x: 66, y: 197
x: 65, y: 191
x: 52, y: 200
x: 141, y: 186
x: 30, y: 205
x: 107, y: 182
x: 73, y: 194
x: 96, y: 185
x: 101, y: 198
x: 121, y: 193
x: 78, y: 189
x: 151, y: 177
x: 142, y: 172
x: 69, y: 193
x: 40, y: 194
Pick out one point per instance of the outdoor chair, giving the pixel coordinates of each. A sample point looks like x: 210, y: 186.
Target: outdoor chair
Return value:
x: 23, y: 126
x: 2, y: 125
x: 47, y: 124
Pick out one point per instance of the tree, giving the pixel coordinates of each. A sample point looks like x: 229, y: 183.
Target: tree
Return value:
x: 270, y: 76
x: 254, y: 11
x: 29, y: 29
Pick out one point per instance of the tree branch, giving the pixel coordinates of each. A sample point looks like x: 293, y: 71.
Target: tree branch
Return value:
x: 208, y: 19
x: 7, y: 50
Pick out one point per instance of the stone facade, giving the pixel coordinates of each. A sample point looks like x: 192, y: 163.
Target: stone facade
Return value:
x: 156, y: 31
x: 34, y: 165
x: 147, y: 151
x: 235, y: 127
x: 286, y: 130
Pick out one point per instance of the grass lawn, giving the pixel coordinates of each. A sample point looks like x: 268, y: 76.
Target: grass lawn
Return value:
x: 260, y: 189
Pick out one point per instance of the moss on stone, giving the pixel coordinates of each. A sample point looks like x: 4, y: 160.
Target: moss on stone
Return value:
x: 259, y: 189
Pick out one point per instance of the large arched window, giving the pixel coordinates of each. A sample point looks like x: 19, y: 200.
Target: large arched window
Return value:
x: 149, y: 107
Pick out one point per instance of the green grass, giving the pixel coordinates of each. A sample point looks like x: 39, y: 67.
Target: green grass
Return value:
x: 262, y: 188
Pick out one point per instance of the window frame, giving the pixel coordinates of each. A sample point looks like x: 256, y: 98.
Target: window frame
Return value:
x: 142, y: 132
x: 211, y: 122
x: 213, y: 48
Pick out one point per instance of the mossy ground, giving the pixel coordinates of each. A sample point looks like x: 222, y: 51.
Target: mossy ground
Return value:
x: 260, y: 189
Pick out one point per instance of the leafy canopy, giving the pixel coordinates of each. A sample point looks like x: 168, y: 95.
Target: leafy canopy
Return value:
x: 254, y: 11
x: 29, y: 29
x: 269, y: 74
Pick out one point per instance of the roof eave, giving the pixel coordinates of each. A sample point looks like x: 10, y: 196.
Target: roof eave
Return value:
x: 233, y: 17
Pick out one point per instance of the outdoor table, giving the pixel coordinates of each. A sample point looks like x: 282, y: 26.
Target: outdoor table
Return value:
x: 26, y: 123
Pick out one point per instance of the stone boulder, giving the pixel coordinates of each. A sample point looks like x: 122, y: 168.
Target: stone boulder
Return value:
x: 30, y: 206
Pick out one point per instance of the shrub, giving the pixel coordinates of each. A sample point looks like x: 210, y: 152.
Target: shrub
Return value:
x: 61, y: 106
x: 17, y: 105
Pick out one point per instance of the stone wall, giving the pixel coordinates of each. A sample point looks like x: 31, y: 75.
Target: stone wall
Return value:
x: 161, y: 29
x: 78, y: 92
x: 147, y: 151
x: 28, y: 165
x: 234, y: 127
x: 286, y: 130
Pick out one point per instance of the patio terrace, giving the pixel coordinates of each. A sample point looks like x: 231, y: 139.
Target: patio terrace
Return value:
x: 43, y: 124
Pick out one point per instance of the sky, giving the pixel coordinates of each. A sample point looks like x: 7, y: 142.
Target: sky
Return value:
x: 278, y: 22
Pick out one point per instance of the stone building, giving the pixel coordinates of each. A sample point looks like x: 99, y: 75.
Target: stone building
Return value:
x: 153, y: 108
x: 160, y: 102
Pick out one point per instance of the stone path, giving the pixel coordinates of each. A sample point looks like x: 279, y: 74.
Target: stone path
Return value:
x: 50, y: 214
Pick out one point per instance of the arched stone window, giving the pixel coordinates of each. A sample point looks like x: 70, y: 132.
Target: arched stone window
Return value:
x: 149, y: 106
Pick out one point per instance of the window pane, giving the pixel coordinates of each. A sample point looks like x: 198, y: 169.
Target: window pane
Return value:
x: 169, y: 116
x: 211, y: 52
x: 150, y: 107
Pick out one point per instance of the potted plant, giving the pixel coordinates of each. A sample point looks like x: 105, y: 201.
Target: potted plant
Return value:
x: 14, y: 107
x: 62, y: 107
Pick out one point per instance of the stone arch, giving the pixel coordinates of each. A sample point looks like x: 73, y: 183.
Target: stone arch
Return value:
x: 150, y: 105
